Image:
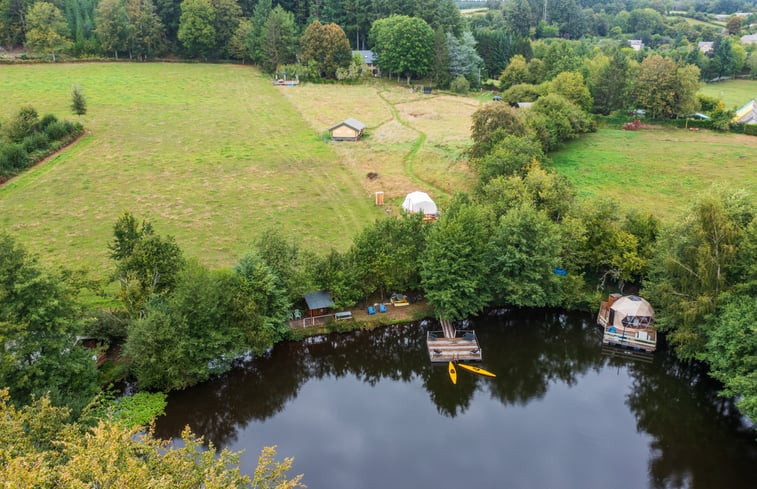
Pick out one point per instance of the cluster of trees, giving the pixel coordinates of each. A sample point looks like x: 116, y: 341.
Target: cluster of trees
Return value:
x: 26, y: 138
x: 603, y: 83
x: 43, y: 447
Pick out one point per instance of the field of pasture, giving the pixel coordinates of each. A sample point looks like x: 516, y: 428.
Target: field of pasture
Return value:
x: 413, y: 141
x: 215, y: 154
x: 660, y: 170
x: 733, y: 93
x: 211, y: 154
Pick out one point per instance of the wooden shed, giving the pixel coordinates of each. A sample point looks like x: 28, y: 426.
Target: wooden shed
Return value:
x: 347, y: 130
x: 318, y: 303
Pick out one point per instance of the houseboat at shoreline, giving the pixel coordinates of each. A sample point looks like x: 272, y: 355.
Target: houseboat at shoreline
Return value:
x: 628, y: 321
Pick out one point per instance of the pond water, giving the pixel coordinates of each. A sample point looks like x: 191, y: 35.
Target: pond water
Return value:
x: 368, y: 410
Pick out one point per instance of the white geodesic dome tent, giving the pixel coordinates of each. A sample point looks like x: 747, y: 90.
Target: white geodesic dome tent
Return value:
x: 419, y: 202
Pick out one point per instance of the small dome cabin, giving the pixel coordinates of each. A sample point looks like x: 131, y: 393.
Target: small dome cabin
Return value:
x: 628, y: 321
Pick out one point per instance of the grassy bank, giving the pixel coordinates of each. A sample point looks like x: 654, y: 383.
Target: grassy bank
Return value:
x: 658, y: 170
x: 733, y: 93
x: 212, y: 154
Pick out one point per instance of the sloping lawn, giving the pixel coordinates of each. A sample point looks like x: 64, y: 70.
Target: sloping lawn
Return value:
x: 211, y: 154
x: 658, y: 170
x: 733, y: 93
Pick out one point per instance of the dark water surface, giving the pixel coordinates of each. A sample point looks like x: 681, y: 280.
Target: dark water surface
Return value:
x: 368, y: 410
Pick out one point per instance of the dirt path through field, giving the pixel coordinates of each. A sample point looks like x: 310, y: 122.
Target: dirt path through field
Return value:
x: 407, y: 160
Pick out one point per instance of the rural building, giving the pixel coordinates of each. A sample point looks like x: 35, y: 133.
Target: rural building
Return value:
x: 318, y: 303
x: 705, y: 46
x: 747, y: 114
x: 749, y: 39
x: 636, y: 44
x: 347, y: 130
x: 369, y: 58
x: 628, y: 321
x: 421, y: 202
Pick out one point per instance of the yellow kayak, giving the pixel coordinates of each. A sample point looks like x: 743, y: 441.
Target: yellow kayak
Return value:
x: 452, y: 373
x: 476, y: 370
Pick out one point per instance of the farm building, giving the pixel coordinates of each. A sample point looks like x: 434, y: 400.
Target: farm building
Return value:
x: 705, y: 46
x: 628, y: 321
x: 369, y: 58
x: 636, y: 44
x: 421, y: 202
x: 749, y: 39
x: 747, y: 114
x: 347, y: 130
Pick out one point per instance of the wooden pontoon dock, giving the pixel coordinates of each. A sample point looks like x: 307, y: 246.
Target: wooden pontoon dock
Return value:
x: 450, y: 345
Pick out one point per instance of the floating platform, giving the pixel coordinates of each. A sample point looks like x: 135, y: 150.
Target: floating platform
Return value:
x: 462, y: 345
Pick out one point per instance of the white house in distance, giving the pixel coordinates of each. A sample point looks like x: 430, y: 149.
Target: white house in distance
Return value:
x: 705, y: 46
x: 636, y: 44
x: 749, y: 39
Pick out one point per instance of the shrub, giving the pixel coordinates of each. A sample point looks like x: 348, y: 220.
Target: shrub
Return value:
x: 35, y: 141
x: 22, y: 124
x: 460, y: 84
x: 707, y: 103
x: 58, y: 130
x: 523, y: 92
x: 46, y: 120
x: 13, y: 158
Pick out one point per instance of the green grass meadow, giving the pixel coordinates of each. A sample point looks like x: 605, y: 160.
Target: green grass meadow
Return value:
x: 733, y: 93
x: 659, y: 170
x: 211, y: 154
x: 215, y: 155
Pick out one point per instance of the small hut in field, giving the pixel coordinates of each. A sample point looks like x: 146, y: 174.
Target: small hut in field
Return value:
x: 347, y: 130
x: 628, y: 321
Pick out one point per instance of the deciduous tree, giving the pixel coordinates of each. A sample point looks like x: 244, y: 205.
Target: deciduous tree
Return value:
x: 197, y: 31
x: 41, y: 448
x: 403, y: 44
x: 454, y: 273
x: 39, y: 321
x: 697, y: 259
x: 112, y: 26
x: 327, y: 45
x: 525, y: 251
x: 46, y: 29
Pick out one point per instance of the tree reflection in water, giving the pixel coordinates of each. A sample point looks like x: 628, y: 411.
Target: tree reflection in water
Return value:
x: 697, y: 438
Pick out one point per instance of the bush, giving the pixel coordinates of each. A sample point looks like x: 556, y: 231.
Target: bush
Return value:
x: 46, y: 120
x: 707, y: 103
x: 13, y: 158
x: 22, y: 124
x: 460, y: 84
x: 523, y: 92
x: 58, y: 130
x: 35, y: 142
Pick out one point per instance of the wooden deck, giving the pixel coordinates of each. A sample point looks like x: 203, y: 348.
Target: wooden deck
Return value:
x: 463, y: 345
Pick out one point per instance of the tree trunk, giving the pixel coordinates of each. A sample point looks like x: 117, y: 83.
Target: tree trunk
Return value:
x: 116, y: 53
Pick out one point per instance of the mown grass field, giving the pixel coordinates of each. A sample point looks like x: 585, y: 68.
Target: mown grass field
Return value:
x: 413, y: 141
x: 659, y: 170
x: 211, y: 154
x: 215, y: 154
x: 733, y: 93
